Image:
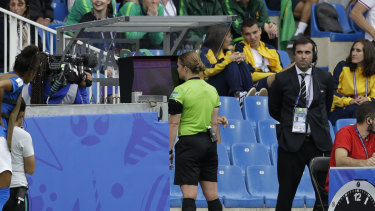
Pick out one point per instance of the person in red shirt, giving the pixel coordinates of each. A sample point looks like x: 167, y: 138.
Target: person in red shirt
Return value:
x: 355, y: 144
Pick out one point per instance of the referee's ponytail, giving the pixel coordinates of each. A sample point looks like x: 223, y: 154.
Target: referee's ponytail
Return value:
x: 192, y: 61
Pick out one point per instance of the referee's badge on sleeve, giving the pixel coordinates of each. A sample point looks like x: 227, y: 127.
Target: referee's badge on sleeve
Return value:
x: 174, y: 95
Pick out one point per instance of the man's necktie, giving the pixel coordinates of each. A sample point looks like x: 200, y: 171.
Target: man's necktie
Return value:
x: 303, y: 90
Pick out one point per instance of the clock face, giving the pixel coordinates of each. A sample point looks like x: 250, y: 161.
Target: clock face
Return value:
x: 355, y: 195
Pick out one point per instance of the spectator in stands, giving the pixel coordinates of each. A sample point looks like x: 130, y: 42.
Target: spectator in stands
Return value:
x: 22, y: 8
x: 199, y: 8
x: 262, y: 58
x: 306, y: 92
x: 80, y: 8
x: 368, y: 23
x: 193, y: 107
x: 354, y: 144
x: 301, y: 10
x: 223, y: 69
x: 354, y: 81
x: 41, y: 11
x: 25, y: 67
x: 150, y: 40
x: 256, y: 9
x: 23, y: 161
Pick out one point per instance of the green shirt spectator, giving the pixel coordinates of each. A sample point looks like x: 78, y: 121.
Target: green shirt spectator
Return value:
x: 145, y: 8
x: 200, y: 8
x: 80, y: 8
x: 245, y: 9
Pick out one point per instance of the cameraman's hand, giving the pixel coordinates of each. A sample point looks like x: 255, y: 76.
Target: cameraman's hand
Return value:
x: 87, y: 76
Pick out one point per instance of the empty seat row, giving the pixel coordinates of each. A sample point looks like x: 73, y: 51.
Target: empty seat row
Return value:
x: 258, y: 189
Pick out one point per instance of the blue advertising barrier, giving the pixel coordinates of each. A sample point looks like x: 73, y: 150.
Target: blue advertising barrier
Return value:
x: 108, y: 162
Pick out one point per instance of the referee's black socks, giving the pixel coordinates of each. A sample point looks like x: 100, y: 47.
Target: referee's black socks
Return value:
x: 188, y: 204
x: 214, y: 205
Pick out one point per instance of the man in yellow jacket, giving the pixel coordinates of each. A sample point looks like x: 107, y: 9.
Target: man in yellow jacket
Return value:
x: 262, y: 58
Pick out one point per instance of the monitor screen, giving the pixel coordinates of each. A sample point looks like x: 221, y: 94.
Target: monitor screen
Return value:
x: 151, y: 75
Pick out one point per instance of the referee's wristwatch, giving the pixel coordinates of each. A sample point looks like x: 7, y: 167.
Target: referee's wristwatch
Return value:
x: 171, y: 151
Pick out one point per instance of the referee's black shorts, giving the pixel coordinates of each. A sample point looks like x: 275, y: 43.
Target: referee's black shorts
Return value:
x: 196, y: 160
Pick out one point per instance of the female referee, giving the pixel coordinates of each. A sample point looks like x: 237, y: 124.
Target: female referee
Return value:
x: 193, y: 108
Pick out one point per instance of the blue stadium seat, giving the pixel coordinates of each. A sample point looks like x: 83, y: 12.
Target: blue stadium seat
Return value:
x: 284, y: 58
x: 271, y: 12
x: 231, y: 186
x: 60, y: 9
x: 306, y: 190
x: 267, y: 131
x: 262, y: 181
x: 237, y: 131
x: 274, y: 149
x: 255, y: 108
x: 222, y: 154
x: 353, y: 25
x: 340, y: 123
x: 348, y: 33
x: 244, y: 155
x: 230, y: 108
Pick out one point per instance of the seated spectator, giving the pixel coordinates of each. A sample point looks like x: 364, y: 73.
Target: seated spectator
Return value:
x: 353, y: 144
x: 150, y: 40
x: 226, y: 71
x: 23, y: 161
x: 81, y: 7
x: 301, y: 11
x: 354, y: 81
x: 256, y: 9
x: 262, y: 58
x: 22, y: 8
x: 367, y: 23
x: 41, y: 11
x: 199, y: 8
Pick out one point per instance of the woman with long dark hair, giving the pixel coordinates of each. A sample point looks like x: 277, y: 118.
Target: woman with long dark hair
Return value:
x: 226, y: 71
x: 354, y: 81
x: 25, y: 67
x: 193, y: 107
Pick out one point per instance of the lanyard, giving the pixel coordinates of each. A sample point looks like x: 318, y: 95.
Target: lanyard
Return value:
x: 165, y: 8
x: 307, y: 93
x: 360, y: 138
x: 355, y: 85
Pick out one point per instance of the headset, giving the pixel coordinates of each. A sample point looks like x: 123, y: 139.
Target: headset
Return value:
x: 315, y: 49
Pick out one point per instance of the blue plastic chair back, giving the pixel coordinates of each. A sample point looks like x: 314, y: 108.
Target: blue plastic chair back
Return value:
x: 262, y: 181
x: 244, y: 155
x: 255, y: 108
x: 271, y: 12
x: 305, y: 189
x: 230, y: 108
x: 284, y: 58
x: 274, y: 149
x: 267, y: 131
x: 331, y: 131
x: 222, y: 154
x: 237, y: 131
x: 340, y: 123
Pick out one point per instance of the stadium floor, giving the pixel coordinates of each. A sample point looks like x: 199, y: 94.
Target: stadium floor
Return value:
x: 247, y: 209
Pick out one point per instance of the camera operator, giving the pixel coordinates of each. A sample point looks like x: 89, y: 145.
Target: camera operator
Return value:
x: 23, y: 161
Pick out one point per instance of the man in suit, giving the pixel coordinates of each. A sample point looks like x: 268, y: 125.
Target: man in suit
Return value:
x: 300, y: 98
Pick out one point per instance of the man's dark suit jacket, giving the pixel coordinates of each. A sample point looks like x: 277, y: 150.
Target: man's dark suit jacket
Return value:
x: 281, y: 103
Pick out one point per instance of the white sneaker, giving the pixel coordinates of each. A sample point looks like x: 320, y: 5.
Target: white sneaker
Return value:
x: 263, y: 92
x: 251, y: 92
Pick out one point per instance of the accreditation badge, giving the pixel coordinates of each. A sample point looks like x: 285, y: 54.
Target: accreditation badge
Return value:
x: 299, y: 120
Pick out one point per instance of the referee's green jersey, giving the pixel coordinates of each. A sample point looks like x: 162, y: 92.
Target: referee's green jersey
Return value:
x: 198, y: 99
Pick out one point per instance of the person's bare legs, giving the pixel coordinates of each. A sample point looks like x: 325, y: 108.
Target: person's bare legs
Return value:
x: 211, y: 195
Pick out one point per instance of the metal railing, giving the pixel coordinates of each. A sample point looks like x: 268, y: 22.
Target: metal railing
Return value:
x: 13, y: 26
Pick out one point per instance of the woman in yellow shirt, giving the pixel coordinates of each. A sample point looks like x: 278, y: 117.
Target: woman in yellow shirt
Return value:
x: 354, y: 81
x: 226, y: 71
